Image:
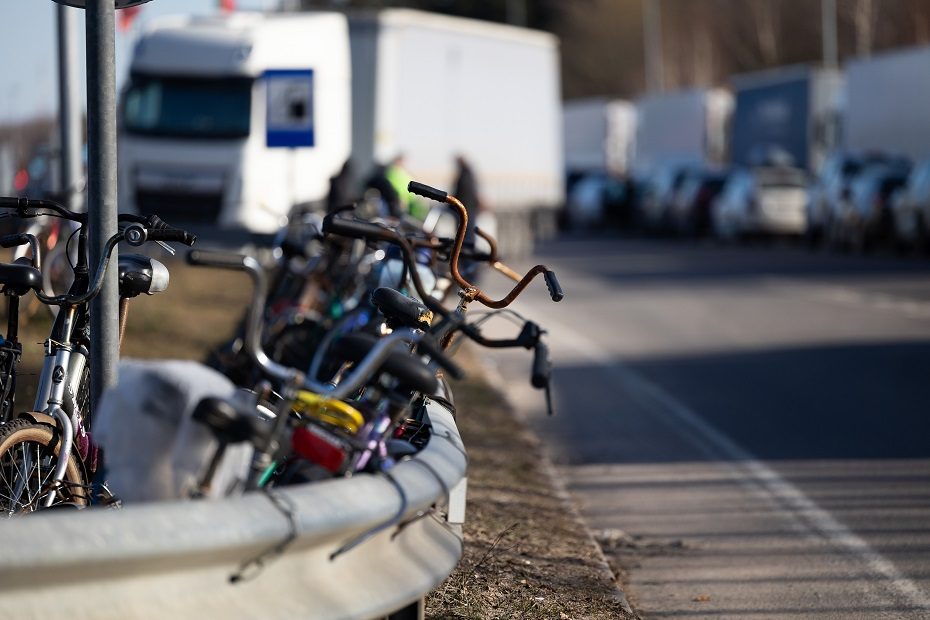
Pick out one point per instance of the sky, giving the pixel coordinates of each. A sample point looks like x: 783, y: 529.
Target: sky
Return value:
x: 28, y: 74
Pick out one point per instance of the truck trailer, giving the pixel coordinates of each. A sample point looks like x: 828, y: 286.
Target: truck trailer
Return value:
x: 788, y: 115
x: 233, y: 120
x: 599, y: 135
x: 887, y: 99
x: 683, y: 127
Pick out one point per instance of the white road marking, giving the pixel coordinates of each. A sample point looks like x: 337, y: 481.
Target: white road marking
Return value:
x: 787, y: 498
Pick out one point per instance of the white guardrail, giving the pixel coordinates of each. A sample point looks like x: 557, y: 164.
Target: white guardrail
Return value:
x: 176, y: 560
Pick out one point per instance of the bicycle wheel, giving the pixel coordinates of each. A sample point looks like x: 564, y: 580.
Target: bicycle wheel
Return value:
x: 28, y: 456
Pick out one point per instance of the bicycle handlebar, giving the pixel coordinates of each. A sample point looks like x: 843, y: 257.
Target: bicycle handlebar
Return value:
x: 555, y: 291
x: 349, y: 384
x: 158, y: 229
x: 24, y: 205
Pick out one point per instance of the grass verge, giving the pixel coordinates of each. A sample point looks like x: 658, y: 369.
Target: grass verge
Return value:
x: 527, y: 555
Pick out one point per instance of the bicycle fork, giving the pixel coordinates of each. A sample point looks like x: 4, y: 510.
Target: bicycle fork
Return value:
x: 51, y: 397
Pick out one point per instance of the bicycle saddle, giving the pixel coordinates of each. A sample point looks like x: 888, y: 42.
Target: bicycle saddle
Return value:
x: 400, y: 310
x: 19, y: 277
x: 141, y: 274
x: 412, y: 373
x: 228, y: 424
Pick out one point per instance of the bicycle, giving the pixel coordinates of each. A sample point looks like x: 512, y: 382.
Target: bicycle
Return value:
x: 39, y: 466
x: 344, y: 436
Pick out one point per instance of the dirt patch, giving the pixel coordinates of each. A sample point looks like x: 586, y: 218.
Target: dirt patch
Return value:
x: 527, y: 555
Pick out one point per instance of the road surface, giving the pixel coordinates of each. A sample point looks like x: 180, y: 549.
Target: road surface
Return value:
x: 749, y: 426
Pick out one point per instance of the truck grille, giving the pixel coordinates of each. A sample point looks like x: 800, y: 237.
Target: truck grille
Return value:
x: 179, y: 207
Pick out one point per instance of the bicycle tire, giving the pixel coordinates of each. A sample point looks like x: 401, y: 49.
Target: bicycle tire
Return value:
x: 20, y: 441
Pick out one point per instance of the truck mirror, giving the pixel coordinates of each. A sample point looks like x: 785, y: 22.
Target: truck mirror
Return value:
x: 119, y: 4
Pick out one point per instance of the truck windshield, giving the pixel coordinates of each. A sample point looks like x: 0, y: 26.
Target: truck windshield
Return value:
x: 188, y: 107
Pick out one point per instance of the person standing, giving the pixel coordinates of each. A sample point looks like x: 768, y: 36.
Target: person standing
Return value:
x: 399, y: 178
x: 466, y: 190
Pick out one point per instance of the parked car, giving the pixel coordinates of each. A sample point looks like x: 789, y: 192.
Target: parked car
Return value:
x: 866, y: 218
x: 692, y: 203
x: 598, y: 199
x: 655, y: 208
x: 761, y: 201
x: 910, y: 209
x: 831, y: 190
x: 831, y: 185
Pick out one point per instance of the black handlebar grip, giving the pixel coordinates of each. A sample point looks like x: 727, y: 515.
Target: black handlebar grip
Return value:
x: 172, y: 234
x: 223, y: 260
x: 541, y: 366
x: 428, y: 347
x: 14, y: 240
x: 12, y: 202
x: 555, y: 291
x: 426, y: 191
x: 357, y: 229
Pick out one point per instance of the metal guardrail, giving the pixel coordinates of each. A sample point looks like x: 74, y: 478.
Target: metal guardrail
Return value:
x: 257, y: 556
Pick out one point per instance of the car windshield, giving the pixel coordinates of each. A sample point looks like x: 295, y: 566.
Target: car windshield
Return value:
x: 188, y: 108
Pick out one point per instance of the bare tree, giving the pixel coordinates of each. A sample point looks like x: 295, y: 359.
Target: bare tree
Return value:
x: 766, y: 19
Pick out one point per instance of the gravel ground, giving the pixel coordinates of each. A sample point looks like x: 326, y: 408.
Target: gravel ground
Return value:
x: 527, y: 553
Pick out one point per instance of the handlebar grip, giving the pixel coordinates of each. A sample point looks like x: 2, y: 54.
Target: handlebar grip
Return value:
x: 542, y: 369
x: 426, y: 191
x: 14, y: 240
x: 223, y: 260
x: 172, y: 234
x: 356, y: 229
x: 552, y: 283
x: 428, y: 347
x: 12, y: 202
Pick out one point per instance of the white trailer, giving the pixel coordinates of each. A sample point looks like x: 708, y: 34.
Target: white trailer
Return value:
x: 322, y: 86
x: 682, y: 127
x: 887, y: 102
x: 599, y: 135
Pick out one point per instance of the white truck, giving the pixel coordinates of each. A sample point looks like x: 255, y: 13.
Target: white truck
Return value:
x: 599, y: 135
x: 683, y: 127
x: 233, y: 120
x: 887, y: 99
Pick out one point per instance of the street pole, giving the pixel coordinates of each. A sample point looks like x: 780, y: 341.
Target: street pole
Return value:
x: 69, y: 112
x: 101, y: 188
x: 828, y: 29
x: 652, y: 44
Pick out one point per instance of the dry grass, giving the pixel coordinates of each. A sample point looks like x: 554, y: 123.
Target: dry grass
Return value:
x: 526, y: 553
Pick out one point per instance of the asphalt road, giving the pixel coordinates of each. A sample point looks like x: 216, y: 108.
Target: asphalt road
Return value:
x: 750, y: 424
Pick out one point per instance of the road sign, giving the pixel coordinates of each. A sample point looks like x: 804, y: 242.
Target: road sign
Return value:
x: 289, y: 107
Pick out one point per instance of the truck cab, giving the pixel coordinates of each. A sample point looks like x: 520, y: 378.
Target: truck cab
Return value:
x: 230, y: 121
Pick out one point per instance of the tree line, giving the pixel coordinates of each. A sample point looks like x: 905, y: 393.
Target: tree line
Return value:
x: 703, y: 41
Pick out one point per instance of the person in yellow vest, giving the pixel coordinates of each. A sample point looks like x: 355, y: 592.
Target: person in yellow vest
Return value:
x: 399, y: 178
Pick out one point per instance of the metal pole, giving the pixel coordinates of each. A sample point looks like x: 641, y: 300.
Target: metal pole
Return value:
x: 69, y: 111
x: 652, y: 43
x: 101, y: 188
x: 828, y: 27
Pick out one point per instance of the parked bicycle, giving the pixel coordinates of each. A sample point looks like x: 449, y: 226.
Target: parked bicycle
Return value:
x: 47, y: 456
x: 370, y: 411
